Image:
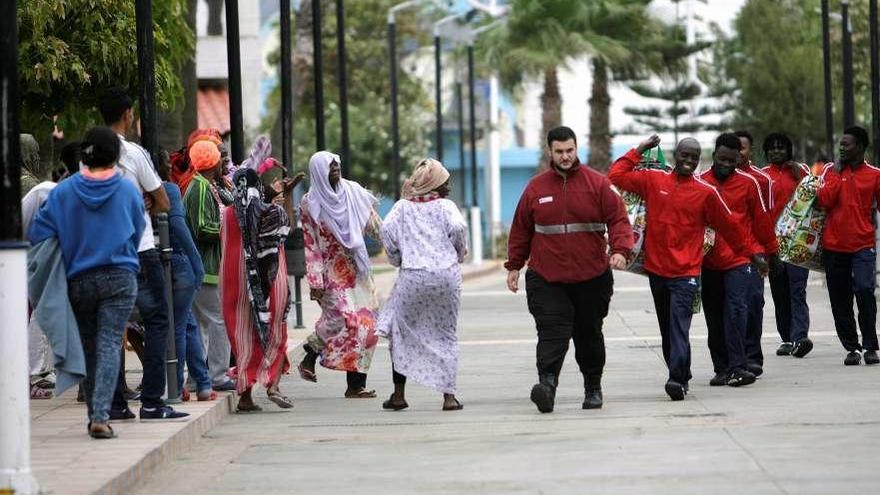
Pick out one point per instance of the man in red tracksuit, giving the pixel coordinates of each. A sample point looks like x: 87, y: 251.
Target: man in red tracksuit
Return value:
x: 850, y: 194
x: 559, y: 228
x: 788, y: 283
x: 755, y: 325
x: 729, y: 280
x: 679, y: 207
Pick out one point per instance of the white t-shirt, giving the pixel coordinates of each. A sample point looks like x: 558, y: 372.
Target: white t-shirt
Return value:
x: 136, y: 166
x: 31, y: 203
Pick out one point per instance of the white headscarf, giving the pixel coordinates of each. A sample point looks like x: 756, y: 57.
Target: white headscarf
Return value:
x: 345, y: 210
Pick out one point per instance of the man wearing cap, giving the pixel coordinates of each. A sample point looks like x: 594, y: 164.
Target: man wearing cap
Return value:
x: 559, y: 229
x: 202, y: 206
x: 850, y: 195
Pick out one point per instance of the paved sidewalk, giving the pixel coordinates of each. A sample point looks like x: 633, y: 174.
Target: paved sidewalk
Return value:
x: 66, y: 461
x: 806, y: 427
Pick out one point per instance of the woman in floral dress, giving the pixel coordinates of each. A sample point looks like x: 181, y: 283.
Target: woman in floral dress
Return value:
x: 426, y: 236
x: 335, y: 214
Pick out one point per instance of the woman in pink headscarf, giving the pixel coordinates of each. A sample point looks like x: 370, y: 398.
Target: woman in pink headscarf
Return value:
x: 335, y: 214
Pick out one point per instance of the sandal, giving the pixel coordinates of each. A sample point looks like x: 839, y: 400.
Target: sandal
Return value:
x: 281, y: 401
x: 394, y: 406
x: 239, y: 409
x: 102, y: 434
x: 38, y: 392
x: 457, y: 407
x: 360, y: 394
x: 307, y: 374
x: 184, y: 395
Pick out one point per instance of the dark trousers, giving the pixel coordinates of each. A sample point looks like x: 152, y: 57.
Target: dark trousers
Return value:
x: 725, y: 305
x: 848, y: 275
x: 153, y: 308
x: 755, y: 317
x: 789, y: 290
x: 572, y: 311
x: 674, y: 304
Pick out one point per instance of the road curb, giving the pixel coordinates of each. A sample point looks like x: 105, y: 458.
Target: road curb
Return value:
x: 179, y: 443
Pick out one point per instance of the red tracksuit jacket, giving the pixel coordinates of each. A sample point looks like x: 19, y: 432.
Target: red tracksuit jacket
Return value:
x: 583, y: 196
x: 742, y: 193
x: 785, y: 181
x: 850, y: 198
x: 678, y: 211
x: 765, y: 184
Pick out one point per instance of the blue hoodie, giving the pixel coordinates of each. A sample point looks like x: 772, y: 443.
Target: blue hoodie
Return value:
x: 98, y: 223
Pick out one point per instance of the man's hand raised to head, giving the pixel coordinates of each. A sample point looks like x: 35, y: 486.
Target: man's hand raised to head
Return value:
x: 647, y: 144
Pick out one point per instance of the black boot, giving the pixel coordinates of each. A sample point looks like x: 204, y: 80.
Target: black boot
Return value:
x: 592, y: 392
x: 544, y: 392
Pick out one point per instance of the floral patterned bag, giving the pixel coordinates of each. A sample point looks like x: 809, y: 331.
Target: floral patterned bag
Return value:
x: 800, y: 226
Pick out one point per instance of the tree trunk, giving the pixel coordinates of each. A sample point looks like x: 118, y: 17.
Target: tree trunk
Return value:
x: 600, y: 126
x: 551, y: 113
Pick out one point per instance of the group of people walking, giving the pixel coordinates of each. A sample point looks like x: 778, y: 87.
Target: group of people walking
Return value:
x: 572, y: 229
x: 228, y: 225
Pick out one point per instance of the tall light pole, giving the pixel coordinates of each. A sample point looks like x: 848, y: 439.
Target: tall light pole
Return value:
x: 826, y: 61
x: 459, y: 101
x: 233, y: 62
x: 438, y: 83
x: 875, y: 78
x: 15, y: 421
x: 849, y: 104
x: 395, y: 131
x: 320, y: 141
x: 342, y: 81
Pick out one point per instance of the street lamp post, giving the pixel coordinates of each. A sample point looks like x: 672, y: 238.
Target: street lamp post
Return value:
x: 342, y: 80
x: 849, y: 105
x: 459, y: 100
x: 875, y: 78
x: 438, y: 82
x: 15, y: 421
x: 149, y: 140
x: 320, y: 142
x: 395, y: 130
x: 826, y: 61
x: 233, y: 62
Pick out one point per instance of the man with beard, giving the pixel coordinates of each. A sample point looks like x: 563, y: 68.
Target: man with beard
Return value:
x: 788, y: 283
x: 559, y: 228
x: 850, y: 193
x: 679, y: 207
x: 729, y: 279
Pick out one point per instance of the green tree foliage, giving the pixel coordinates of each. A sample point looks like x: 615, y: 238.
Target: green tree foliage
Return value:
x: 775, y: 61
x: 71, y: 51
x: 369, y: 91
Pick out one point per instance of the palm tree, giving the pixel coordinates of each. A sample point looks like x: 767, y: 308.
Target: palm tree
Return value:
x: 535, y: 41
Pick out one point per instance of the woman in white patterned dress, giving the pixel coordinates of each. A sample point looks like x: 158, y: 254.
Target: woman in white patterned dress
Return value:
x: 426, y: 236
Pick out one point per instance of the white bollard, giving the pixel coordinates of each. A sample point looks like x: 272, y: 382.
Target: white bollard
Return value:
x: 15, y: 421
x: 476, y: 236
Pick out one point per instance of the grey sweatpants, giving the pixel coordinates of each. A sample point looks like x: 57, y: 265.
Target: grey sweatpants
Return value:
x: 206, y: 309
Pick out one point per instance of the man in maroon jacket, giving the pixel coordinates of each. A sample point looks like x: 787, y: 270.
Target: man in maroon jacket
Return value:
x: 731, y: 284
x: 849, y: 194
x: 559, y: 228
x: 679, y: 207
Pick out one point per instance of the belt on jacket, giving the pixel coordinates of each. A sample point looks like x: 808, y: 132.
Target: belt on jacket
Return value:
x: 568, y: 228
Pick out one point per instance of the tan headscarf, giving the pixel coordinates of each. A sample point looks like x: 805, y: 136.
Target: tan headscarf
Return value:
x: 428, y: 176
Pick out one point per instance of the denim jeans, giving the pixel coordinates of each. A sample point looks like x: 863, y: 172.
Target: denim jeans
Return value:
x: 102, y: 300
x: 153, y: 309
x: 188, y: 340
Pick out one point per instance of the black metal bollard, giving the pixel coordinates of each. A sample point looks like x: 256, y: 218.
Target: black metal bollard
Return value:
x: 171, y: 347
x: 294, y: 250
